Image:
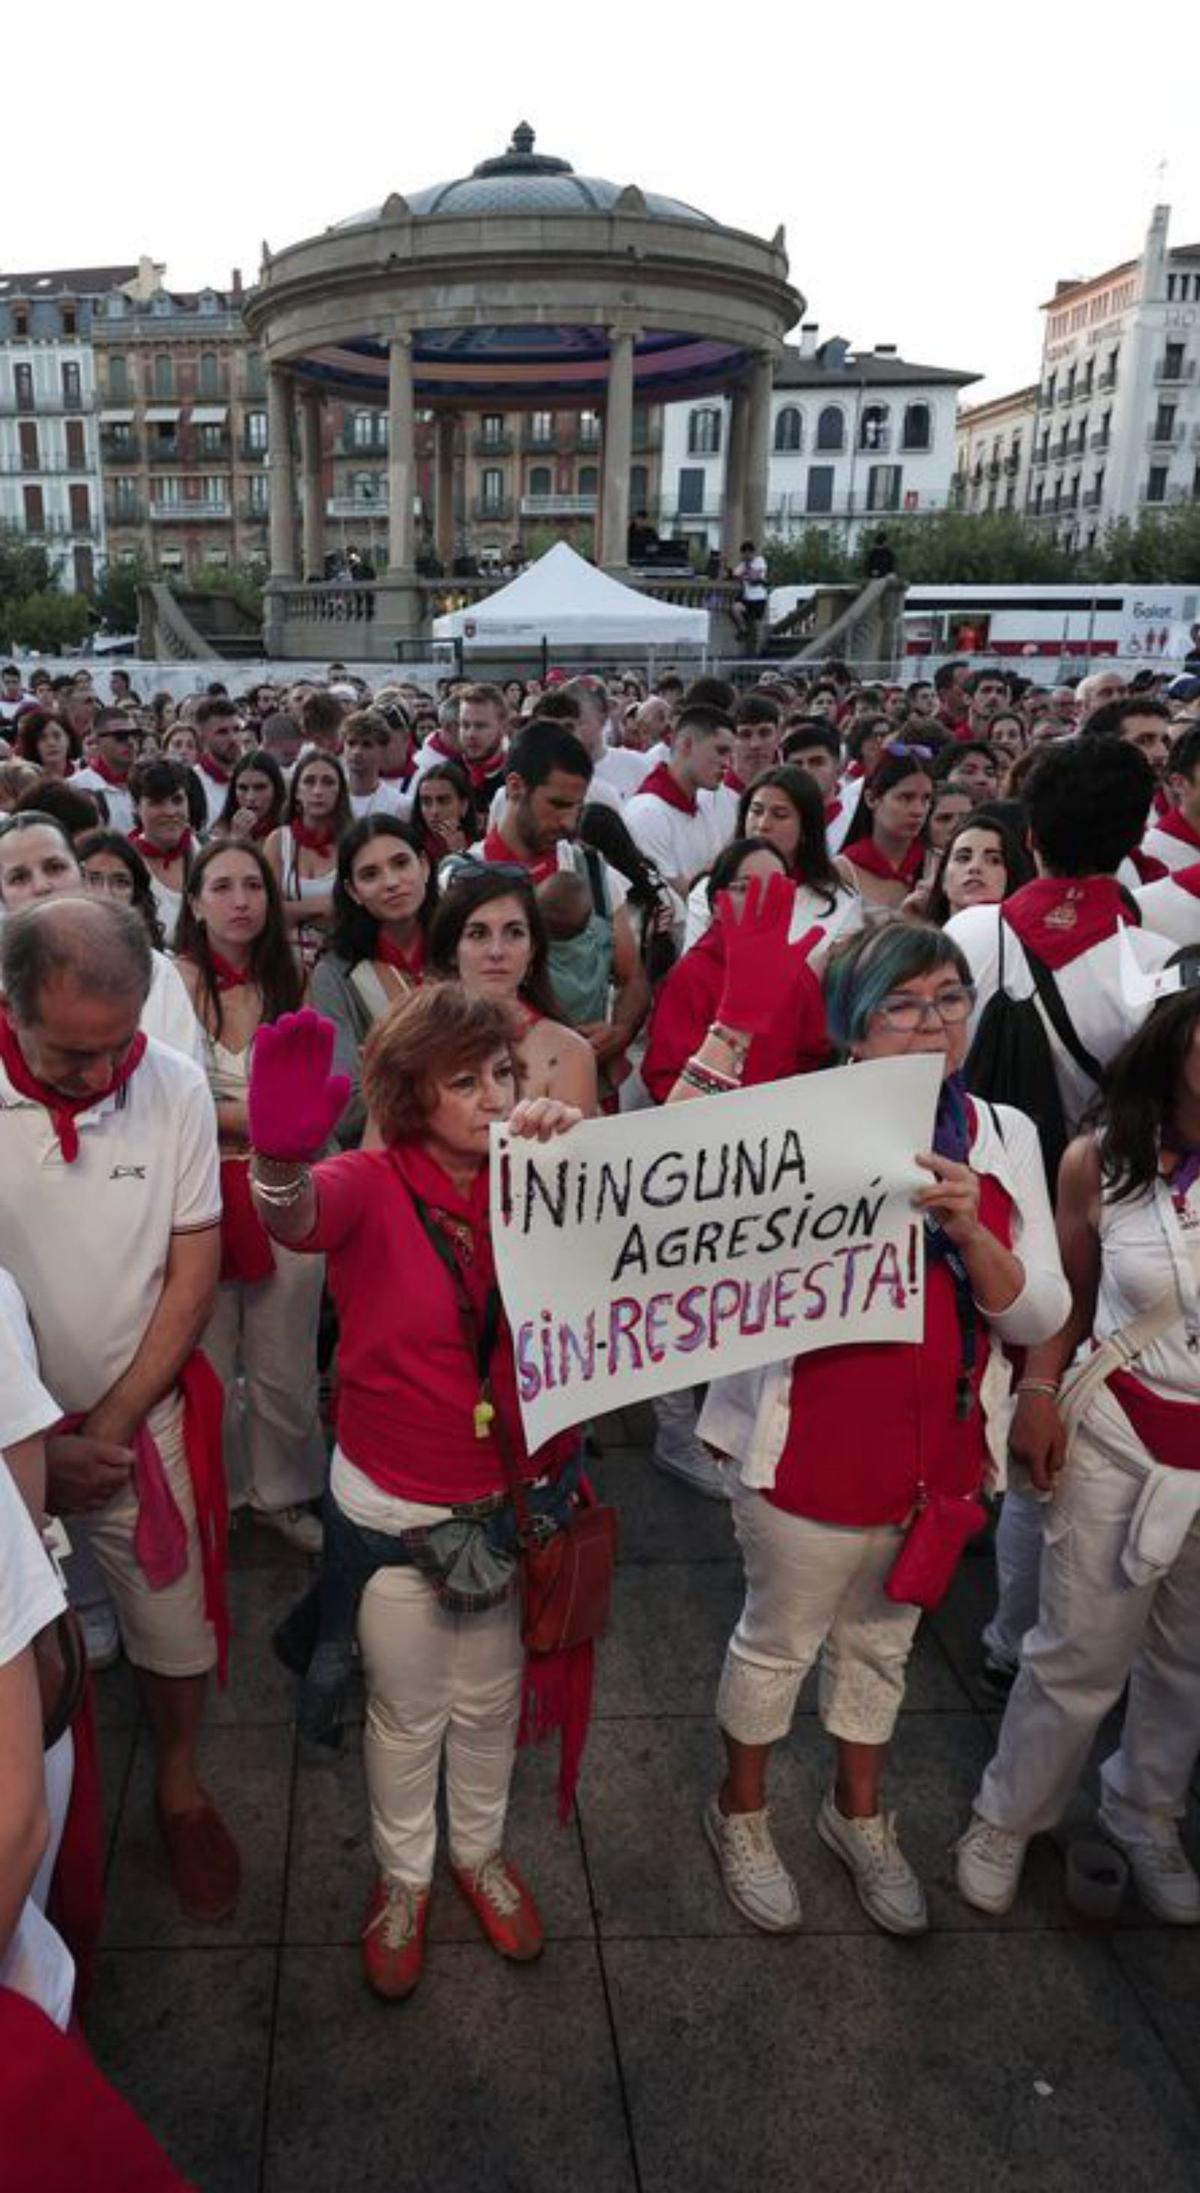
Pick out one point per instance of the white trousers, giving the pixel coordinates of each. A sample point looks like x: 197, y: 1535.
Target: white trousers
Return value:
x: 262, y: 1344
x: 1018, y: 1567
x: 1094, y: 1630
x: 167, y: 1632
x: 435, y: 1682
x: 814, y: 1587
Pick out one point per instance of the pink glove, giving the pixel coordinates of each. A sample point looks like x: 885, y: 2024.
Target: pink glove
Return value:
x: 294, y: 1102
x: 758, y: 958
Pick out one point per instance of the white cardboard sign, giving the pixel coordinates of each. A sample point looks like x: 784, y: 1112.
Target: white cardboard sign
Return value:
x: 657, y: 1250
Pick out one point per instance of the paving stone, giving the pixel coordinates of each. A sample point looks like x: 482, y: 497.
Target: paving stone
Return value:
x: 260, y: 1689
x: 1162, y: 1965
x: 185, y: 2038
x: 248, y: 1773
x: 661, y: 1518
x: 911, y: 2067
x: 332, y: 1869
x: 493, y: 2076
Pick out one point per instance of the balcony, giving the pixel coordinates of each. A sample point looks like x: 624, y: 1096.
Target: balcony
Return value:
x: 1092, y: 498
x: 47, y: 462
x: 586, y: 438
x: 57, y: 529
x: 357, y: 506
x: 535, y: 439
x: 647, y: 435
x: 1040, y: 457
x: 1162, y: 495
x: 1066, y: 395
x: 875, y: 441
x: 126, y: 513
x: 492, y: 509
x: 1169, y: 438
x: 253, y: 513
x: 558, y: 506
x: 1101, y: 439
x: 1107, y: 381
x: 492, y: 445
x: 217, y: 451
x: 1012, y: 463
x: 252, y: 452
x: 353, y: 446
x: 993, y: 470
x: 182, y: 513
x: 1173, y: 376
x: 164, y: 452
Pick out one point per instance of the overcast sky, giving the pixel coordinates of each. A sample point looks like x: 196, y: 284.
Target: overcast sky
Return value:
x: 936, y: 168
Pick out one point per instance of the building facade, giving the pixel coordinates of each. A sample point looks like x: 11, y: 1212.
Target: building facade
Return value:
x: 1117, y: 432
x: 857, y: 438
x: 182, y: 425
x: 50, y: 471
x: 995, y: 453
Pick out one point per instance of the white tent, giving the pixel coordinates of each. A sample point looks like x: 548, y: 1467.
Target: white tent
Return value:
x: 564, y: 600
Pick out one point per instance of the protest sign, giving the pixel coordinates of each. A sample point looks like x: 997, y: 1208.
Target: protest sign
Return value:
x: 642, y: 1254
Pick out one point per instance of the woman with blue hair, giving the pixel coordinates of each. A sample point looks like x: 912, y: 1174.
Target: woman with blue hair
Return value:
x: 842, y: 1452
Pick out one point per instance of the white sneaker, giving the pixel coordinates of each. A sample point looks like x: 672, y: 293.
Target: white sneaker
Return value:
x: 888, y: 1889
x: 754, y: 1876
x: 697, y: 1469
x: 1166, y: 1882
x: 989, y: 1862
x: 101, y: 1637
x: 298, y: 1527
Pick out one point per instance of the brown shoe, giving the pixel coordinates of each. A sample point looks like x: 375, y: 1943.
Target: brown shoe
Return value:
x: 206, y: 1871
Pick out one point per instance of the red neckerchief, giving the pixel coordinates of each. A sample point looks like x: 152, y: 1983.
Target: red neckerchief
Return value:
x: 1149, y: 868
x: 833, y: 808
x: 160, y: 856
x: 1059, y: 917
x: 227, y: 976
x: 1162, y: 801
x: 485, y: 775
x: 109, y: 774
x: 63, y: 1110
x: 1188, y: 879
x: 313, y: 841
x: 410, y: 964
x: 1175, y: 824
x: 397, y: 776
x: 435, y: 744
x: 260, y: 830
x: 662, y: 786
x: 496, y: 847
x: 731, y: 781
x: 214, y: 769
x: 463, y: 1219
x: 865, y: 854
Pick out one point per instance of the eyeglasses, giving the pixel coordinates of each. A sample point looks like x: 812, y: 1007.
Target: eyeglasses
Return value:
x: 98, y: 879
x: 905, y: 1014
x: 910, y: 753
x: 457, y: 865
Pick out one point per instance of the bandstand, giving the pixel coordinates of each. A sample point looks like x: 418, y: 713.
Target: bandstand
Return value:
x: 520, y: 286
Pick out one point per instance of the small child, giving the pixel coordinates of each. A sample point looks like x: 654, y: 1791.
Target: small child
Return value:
x: 565, y: 900
x: 580, y: 956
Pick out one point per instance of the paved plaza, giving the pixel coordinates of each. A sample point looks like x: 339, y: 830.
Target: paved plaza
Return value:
x: 660, y: 2045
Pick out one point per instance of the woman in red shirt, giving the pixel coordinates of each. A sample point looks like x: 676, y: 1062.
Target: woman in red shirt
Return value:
x: 418, y: 1486
x: 838, y: 1449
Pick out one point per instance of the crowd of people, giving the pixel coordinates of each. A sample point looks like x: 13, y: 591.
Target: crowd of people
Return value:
x: 273, y: 965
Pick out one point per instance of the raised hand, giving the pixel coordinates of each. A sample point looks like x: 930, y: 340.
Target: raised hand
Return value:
x: 759, y: 961
x: 294, y: 1101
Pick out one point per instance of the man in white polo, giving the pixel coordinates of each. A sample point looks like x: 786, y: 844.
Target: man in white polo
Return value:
x: 110, y: 1224
x: 672, y: 818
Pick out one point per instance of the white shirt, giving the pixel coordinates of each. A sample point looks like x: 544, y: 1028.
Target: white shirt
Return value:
x: 571, y: 855
x: 1170, y: 909
x: 837, y: 825
x: 117, y: 798
x: 215, y: 796
x: 88, y: 1243
x: 25, y: 1406
x: 679, y: 844
x: 1090, y: 988
x: 168, y: 1013
x: 386, y: 799
x: 1172, y: 852
x: 812, y: 911
x: 620, y: 769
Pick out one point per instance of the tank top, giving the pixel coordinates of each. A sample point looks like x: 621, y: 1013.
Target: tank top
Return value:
x: 1144, y: 1241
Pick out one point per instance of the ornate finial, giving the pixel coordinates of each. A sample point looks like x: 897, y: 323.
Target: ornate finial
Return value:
x: 266, y: 254
x: 521, y: 159
x: 394, y: 207
x: 522, y: 140
x: 630, y: 200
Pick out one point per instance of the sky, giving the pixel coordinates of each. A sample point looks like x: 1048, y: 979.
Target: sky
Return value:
x: 936, y: 168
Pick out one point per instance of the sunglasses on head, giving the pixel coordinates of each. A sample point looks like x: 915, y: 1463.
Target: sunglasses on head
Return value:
x: 458, y: 865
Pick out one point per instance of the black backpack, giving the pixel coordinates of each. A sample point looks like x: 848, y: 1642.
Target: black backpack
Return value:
x: 1010, y: 1060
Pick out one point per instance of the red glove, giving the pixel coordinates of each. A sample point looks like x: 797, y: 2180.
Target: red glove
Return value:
x: 759, y: 961
x: 294, y: 1102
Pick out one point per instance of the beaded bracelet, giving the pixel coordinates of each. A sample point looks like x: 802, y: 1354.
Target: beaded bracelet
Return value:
x: 1037, y: 1385
x: 706, y: 1078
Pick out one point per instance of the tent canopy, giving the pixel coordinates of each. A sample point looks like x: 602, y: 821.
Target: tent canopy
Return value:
x: 563, y: 599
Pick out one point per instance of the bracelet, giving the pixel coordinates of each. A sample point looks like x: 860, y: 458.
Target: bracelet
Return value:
x: 280, y: 1171
x: 706, y: 1079
x: 281, y: 1195
x: 1038, y: 1385
x: 738, y: 1044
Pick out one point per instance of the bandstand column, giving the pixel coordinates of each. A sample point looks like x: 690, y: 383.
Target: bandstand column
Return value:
x: 618, y: 451
x: 758, y: 450
x: 444, y: 509
x: 281, y: 475
x: 401, y: 456
x: 312, y: 415
x: 734, y: 499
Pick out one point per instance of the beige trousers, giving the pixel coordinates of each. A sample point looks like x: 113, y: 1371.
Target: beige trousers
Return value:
x: 262, y: 1344
x: 165, y: 1632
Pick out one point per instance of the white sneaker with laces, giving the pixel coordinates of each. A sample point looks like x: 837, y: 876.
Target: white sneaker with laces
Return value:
x: 1166, y: 1881
x: 754, y: 1876
x: 298, y: 1527
x: 988, y: 1864
x: 887, y: 1887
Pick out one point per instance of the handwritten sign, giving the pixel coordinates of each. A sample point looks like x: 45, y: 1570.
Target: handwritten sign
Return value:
x: 655, y: 1251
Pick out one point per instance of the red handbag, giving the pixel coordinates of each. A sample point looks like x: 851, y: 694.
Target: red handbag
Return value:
x: 921, y: 1574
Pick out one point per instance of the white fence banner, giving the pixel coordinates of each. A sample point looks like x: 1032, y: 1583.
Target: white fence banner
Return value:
x: 657, y: 1250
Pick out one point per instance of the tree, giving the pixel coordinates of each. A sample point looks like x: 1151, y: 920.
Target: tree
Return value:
x: 116, y: 593
x: 818, y: 557
x: 46, y: 623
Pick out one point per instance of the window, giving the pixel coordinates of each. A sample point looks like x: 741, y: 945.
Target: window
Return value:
x: 589, y: 428
x: 492, y: 427
x: 1089, y: 376
x: 124, y: 496
x: 256, y: 493
x: 873, y: 427
x: 541, y: 427
x: 918, y: 427
x: 76, y: 457
x: 118, y: 439
x: 35, y: 510
x: 164, y: 375
x: 639, y: 486
x: 369, y: 430
x: 81, y: 508
x: 210, y: 373
x: 1048, y: 397
x: 1039, y: 496
x: 819, y: 494
x: 691, y: 490
x: 589, y: 480
x: 1164, y: 423
x: 541, y: 480
x: 118, y: 376
x: 20, y: 321
x: 493, y: 487
x: 256, y: 430
x: 704, y: 432
x: 364, y: 487
x: 1172, y: 365
x: 1156, y: 484
x: 210, y: 440
x: 31, y: 456
x: 831, y: 428
x: 211, y: 489
x: 23, y: 384
x: 788, y: 428
x: 70, y: 323
x: 883, y: 486
x: 164, y: 491
x: 256, y: 378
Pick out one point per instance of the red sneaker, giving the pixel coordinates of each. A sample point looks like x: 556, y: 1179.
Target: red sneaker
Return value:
x: 503, y: 1906
x: 394, y: 1938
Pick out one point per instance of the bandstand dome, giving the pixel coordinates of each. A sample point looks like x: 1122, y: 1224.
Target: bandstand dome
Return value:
x: 524, y: 181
